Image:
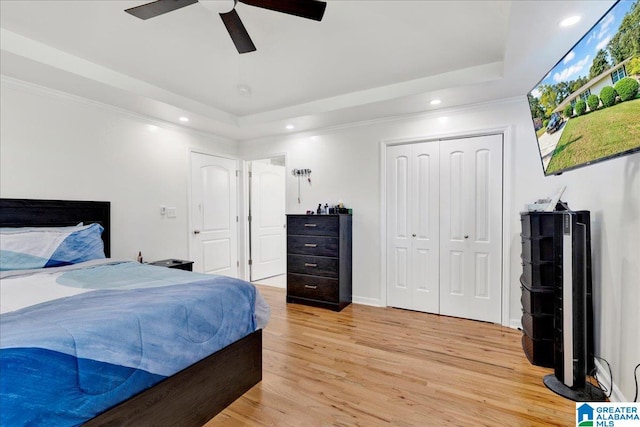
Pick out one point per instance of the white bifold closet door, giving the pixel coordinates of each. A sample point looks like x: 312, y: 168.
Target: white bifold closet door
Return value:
x: 444, y: 227
x: 412, y: 226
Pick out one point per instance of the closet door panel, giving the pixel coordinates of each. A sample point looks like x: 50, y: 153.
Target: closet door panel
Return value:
x: 471, y: 228
x: 424, y: 183
x: 398, y: 220
x: 412, y: 227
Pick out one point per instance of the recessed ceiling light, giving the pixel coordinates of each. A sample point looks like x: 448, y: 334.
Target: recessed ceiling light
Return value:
x: 572, y: 20
x: 184, y: 119
x: 290, y: 127
x: 244, y: 90
x: 435, y: 102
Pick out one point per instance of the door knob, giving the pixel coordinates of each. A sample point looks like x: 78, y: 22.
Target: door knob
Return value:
x: 413, y: 235
x: 466, y: 236
x: 196, y: 231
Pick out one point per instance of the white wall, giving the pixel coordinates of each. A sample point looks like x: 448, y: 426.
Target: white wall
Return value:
x: 55, y: 146
x: 346, y: 166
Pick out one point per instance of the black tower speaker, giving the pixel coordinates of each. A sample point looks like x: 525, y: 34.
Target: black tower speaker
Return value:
x: 573, y: 316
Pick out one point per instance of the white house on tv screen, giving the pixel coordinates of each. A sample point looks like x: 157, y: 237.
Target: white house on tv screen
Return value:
x: 593, y: 87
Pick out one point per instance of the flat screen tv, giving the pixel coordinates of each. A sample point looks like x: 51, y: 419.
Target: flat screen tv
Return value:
x: 586, y: 109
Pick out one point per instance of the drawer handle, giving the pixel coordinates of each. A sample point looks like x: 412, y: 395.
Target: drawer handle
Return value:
x: 311, y: 225
x: 310, y: 245
x: 308, y: 264
x: 311, y: 286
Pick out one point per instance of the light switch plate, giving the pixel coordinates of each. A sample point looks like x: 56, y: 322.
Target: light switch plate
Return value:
x: 171, y: 212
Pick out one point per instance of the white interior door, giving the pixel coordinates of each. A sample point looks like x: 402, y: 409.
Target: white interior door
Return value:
x: 214, y: 237
x: 444, y: 227
x: 412, y: 227
x: 267, y: 227
x: 471, y: 228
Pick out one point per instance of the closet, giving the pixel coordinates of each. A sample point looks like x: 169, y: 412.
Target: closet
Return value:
x: 444, y: 227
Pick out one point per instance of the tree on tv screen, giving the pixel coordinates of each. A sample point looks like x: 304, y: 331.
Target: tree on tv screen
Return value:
x: 626, y: 42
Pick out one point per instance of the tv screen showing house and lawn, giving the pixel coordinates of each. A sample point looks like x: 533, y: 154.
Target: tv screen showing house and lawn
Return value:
x: 587, y: 108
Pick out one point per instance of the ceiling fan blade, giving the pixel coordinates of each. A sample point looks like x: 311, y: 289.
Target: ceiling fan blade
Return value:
x: 159, y: 7
x: 238, y: 33
x: 310, y: 9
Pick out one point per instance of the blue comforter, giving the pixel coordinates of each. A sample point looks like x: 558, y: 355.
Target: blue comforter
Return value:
x: 65, y: 361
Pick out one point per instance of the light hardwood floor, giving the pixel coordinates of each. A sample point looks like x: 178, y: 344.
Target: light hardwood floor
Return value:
x: 371, y: 366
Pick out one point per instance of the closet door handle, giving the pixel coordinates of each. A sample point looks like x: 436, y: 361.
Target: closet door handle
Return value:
x: 310, y: 245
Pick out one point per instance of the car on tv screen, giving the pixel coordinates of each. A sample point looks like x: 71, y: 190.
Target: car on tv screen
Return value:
x: 554, y: 123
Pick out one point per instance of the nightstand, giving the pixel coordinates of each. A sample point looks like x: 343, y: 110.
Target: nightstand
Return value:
x: 174, y: 263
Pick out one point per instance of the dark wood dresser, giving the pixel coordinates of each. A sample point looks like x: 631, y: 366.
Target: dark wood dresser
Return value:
x: 319, y: 260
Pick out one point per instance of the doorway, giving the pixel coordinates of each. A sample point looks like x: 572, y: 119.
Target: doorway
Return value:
x: 267, y: 220
x: 444, y: 227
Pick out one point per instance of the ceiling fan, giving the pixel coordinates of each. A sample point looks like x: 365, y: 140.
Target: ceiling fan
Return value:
x: 310, y: 9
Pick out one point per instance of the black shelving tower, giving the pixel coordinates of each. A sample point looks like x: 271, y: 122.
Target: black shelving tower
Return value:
x: 557, y: 299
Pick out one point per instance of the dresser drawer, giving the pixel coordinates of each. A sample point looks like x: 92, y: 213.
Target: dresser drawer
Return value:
x: 313, y: 245
x: 313, y: 265
x: 312, y: 287
x: 314, y: 225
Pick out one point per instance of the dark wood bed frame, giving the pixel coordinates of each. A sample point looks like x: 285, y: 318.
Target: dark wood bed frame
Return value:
x: 192, y: 396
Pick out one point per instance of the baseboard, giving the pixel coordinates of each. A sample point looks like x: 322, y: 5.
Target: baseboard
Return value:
x: 605, y: 380
x: 374, y: 302
x: 272, y: 285
x: 279, y: 281
x: 515, y: 324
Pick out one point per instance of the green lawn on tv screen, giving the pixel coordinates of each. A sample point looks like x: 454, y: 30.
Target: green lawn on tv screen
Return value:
x: 598, y: 134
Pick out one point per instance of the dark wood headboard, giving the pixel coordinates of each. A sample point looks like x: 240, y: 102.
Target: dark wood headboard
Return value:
x: 56, y: 213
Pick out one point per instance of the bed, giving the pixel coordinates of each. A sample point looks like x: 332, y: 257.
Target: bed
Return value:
x: 64, y: 360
